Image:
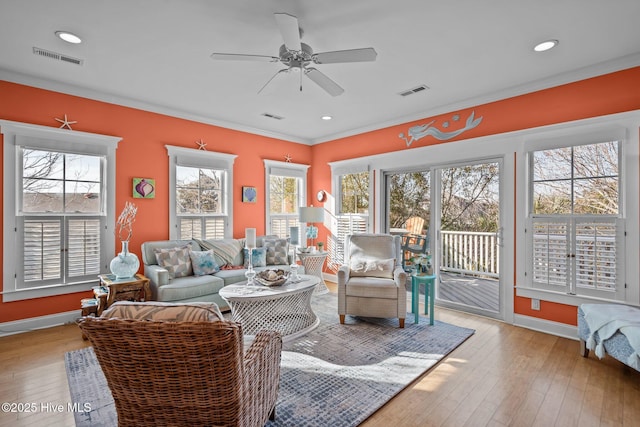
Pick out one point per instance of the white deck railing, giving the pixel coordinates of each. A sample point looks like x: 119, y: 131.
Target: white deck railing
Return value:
x: 469, y: 252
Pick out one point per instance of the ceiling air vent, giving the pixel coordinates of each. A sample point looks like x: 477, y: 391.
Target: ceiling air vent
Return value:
x: 56, y: 56
x: 414, y: 90
x: 272, y: 116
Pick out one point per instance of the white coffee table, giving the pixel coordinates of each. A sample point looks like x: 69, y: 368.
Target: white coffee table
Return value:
x: 286, y: 308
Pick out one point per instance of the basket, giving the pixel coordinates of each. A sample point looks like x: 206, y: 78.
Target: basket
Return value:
x: 272, y: 277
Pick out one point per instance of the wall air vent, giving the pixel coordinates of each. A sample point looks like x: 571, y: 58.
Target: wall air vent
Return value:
x: 414, y: 90
x: 272, y: 116
x: 57, y: 56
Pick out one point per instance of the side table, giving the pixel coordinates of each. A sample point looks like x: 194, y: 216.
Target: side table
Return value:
x: 132, y: 289
x: 429, y: 295
x: 313, y: 262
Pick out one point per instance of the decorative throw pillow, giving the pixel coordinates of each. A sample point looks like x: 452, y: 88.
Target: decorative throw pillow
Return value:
x: 258, y: 258
x: 203, y: 262
x: 372, y: 267
x: 277, y: 250
x: 164, y: 311
x: 175, y: 260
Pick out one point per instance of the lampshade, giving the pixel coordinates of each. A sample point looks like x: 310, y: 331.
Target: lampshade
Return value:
x: 311, y: 214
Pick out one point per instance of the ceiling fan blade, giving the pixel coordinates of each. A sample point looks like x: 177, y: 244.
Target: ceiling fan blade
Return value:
x: 324, y: 82
x: 283, y: 71
x: 241, y: 57
x: 288, y: 25
x: 350, y: 55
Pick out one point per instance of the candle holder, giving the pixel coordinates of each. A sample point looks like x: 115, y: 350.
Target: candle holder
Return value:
x: 250, y: 274
x: 294, y: 277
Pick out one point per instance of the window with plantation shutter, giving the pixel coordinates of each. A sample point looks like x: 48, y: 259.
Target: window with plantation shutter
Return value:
x: 575, y: 233
x: 285, y: 192
x: 200, y: 202
x: 59, y: 209
x: 352, y: 183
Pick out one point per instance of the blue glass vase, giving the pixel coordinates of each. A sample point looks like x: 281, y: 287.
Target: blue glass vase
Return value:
x: 125, y: 265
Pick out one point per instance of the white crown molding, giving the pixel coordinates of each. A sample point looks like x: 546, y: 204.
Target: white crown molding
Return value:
x: 68, y: 89
x: 595, y: 70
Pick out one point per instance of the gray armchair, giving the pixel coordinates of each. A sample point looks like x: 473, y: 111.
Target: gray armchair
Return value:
x: 371, y: 283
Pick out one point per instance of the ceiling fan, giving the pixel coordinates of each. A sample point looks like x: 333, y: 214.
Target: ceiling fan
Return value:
x: 297, y: 56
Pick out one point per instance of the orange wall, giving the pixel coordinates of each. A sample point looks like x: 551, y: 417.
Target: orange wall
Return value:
x: 142, y: 153
x: 608, y: 94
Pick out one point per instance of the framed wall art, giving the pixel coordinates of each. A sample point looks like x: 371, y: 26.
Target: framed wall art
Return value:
x: 144, y: 188
x: 249, y: 194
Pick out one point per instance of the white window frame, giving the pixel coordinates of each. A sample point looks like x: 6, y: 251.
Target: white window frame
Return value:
x: 289, y: 170
x: 335, y: 245
x: 588, y: 132
x: 17, y: 135
x: 189, y: 157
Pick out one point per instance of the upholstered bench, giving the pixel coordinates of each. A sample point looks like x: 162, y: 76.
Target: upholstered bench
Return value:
x: 615, y: 343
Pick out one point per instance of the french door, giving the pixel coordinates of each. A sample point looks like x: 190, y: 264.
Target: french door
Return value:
x: 467, y: 220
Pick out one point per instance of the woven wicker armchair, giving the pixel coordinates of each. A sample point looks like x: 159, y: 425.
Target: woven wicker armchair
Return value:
x: 186, y: 373
x: 372, y: 282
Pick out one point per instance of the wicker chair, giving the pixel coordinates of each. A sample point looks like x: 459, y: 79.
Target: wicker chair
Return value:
x: 186, y: 373
x: 372, y: 281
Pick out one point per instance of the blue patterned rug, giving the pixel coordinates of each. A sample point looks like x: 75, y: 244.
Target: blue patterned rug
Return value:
x: 336, y: 375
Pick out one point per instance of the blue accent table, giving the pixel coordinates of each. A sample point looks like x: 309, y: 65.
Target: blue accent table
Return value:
x: 429, y: 295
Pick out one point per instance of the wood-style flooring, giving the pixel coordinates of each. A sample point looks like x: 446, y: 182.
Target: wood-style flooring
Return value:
x: 502, y: 376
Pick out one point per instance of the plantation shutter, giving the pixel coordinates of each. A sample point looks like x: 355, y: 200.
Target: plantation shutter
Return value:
x: 577, y: 255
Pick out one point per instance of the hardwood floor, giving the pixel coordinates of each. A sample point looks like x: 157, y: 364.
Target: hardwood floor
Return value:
x: 502, y: 376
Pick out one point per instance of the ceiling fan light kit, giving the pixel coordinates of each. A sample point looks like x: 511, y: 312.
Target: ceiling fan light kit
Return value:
x: 297, y: 56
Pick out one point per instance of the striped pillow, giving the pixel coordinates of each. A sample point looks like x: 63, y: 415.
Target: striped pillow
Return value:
x: 164, y: 311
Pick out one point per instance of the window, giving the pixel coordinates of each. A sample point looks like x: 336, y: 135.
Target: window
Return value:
x: 201, y: 183
x: 575, y: 230
x: 284, y: 193
x: 59, y: 209
x: 352, y: 184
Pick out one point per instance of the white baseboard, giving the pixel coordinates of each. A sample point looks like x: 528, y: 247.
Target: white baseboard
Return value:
x: 26, y: 325
x: 330, y: 277
x: 546, y: 326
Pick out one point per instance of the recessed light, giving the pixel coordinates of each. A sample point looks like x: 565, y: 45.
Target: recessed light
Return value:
x: 545, y: 45
x: 326, y: 117
x: 68, y: 37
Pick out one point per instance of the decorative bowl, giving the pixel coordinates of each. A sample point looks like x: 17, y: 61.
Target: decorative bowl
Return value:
x: 272, y: 277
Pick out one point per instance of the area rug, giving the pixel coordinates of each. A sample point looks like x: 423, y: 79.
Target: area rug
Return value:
x: 336, y: 375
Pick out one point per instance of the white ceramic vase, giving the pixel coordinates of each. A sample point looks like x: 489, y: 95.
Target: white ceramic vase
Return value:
x: 125, y: 265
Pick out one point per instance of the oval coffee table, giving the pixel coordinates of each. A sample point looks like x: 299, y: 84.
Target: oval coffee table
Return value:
x: 285, y: 308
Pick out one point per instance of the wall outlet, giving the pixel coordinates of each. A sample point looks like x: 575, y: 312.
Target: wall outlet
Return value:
x: 535, y: 304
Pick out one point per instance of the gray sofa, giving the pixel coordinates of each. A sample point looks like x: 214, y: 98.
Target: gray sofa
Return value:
x: 203, y: 288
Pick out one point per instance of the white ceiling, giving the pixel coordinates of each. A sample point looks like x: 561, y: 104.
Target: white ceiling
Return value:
x: 155, y: 55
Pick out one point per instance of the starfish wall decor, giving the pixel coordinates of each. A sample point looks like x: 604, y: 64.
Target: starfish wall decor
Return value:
x: 66, y: 123
x: 201, y: 144
x: 287, y: 158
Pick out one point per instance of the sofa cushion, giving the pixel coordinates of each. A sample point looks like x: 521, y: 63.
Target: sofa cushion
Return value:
x: 364, y: 267
x: 277, y: 251
x: 203, y: 262
x: 190, y: 288
x: 258, y: 258
x: 164, y: 311
x: 175, y: 260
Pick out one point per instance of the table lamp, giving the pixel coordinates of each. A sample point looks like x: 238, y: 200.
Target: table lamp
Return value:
x: 311, y: 215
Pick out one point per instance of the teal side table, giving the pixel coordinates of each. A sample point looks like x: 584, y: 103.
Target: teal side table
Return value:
x: 429, y: 296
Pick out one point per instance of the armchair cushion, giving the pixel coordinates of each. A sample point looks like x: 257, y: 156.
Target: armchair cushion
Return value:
x: 364, y: 267
x: 175, y: 260
x: 164, y: 311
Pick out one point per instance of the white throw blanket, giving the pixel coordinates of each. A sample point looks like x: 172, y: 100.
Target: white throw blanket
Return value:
x: 606, y: 319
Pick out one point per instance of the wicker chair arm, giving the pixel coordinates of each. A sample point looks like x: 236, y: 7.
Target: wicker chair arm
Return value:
x: 261, y: 373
